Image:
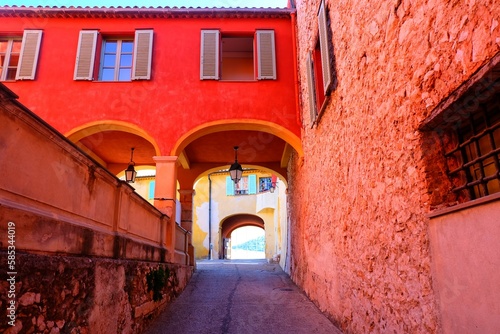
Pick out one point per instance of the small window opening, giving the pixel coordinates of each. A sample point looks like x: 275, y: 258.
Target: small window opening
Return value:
x: 474, y: 162
x: 10, y: 49
x: 461, y: 142
x: 116, y: 61
x: 237, y: 61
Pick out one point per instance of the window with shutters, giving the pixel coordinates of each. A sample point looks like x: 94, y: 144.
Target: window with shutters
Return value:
x: 120, y: 58
x: 19, y: 56
x: 116, y: 60
x: 247, y: 185
x: 319, y: 63
x: 237, y: 57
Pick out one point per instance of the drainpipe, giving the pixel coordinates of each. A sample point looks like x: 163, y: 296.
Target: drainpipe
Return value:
x: 209, y: 217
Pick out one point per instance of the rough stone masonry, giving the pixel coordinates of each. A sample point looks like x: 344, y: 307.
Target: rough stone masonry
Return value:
x: 359, y: 198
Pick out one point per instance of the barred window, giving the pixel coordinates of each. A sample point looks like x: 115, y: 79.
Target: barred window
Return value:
x: 461, y: 140
x: 473, y: 163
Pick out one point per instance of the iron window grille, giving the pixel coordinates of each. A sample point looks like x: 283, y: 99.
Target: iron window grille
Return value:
x: 474, y: 163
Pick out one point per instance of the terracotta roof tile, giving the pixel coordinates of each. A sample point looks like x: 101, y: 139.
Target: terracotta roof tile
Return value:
x: 127, y: 11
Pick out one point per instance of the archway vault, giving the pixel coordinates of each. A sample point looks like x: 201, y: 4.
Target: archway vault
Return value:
x: 231, y: 223
x: 109, y: 142
x: 260, y: 143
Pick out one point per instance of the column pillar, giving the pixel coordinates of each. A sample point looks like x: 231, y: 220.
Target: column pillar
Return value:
x: 186, y: 196
x: 165, y: 197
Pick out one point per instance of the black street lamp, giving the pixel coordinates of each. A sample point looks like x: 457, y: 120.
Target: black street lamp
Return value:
x: 235, y: 170
x: 130, y: 172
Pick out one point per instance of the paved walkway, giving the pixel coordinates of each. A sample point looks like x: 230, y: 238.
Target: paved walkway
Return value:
x: 241, y: 296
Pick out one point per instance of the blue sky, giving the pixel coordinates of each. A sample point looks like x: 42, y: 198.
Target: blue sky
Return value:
x: 147, y: 3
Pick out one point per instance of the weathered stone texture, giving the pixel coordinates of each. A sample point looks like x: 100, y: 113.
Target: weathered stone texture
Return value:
x: 359, y: 198
x: 85, y: 295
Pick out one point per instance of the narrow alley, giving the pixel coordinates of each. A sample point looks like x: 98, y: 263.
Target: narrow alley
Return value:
x: 241, y: 296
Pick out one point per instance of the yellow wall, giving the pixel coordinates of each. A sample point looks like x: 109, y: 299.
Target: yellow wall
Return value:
x: 224, y: 206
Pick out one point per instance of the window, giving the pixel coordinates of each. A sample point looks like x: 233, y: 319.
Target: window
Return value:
x: 319, y: 65
x: 10, y: 49
x: 265, y: 184
x: 246, y: 186
x: 120, y: 59
x: 461, y: 141
x: 241, y: 188
x: 473, y: 163
x: 116, y: 60
x: 237, y: 57
x: 19, y: 56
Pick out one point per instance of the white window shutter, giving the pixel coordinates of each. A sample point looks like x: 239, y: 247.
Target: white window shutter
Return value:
x: 210, y: 54
x: 324, y: 46
x: 266, y: 55
x: 143, y: 50
x: 85, y: 56
x: 28, y: 57
x: 311, y: 88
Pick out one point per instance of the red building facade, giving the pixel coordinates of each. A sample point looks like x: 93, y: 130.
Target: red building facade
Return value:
x: 158, y: 80
x: 182, y: 86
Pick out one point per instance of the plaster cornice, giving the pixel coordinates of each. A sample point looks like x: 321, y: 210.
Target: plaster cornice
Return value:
x: 143, y: 12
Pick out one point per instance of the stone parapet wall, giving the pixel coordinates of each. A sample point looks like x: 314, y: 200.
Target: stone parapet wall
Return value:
x: 57, y: 294
x: 358, y: 200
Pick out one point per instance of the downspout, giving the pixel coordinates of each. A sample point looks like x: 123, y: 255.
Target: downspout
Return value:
x: 209, y: 217
x: 293, y: 15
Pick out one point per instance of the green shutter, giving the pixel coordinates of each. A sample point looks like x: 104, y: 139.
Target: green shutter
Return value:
x: 229, y: 186
x: 324, y: 44
x: 252, y: 184
x: 311, y: 89
x: 151, y: 190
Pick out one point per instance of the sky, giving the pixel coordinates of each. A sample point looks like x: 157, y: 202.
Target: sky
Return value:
x: 148, y: 3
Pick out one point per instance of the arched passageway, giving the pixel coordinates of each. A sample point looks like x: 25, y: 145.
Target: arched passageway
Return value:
x: 230, y: 225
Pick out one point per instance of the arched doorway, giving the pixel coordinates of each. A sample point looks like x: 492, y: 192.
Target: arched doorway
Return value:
x: 247, y: 242
x: 233, y: 223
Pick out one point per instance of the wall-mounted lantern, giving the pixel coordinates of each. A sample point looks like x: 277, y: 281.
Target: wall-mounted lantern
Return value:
x: 130, y: 172
x: 236, y: 171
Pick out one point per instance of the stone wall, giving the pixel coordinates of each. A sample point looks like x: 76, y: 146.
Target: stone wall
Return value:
x: 56, y: 294
x: 358, y: 200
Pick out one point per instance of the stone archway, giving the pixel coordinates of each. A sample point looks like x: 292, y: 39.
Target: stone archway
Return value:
x: 231, y: 223
x: 109, y: 142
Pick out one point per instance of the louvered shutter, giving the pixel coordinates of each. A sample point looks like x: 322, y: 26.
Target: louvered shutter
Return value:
x: 85, y: 57
x: 252, y: 184
x: 324, y: 46
x: 151, y: 194
x: 28, y: 57
x: 229, y: 186
x: 143, y: 49
x: 209, y: 62
x: 311, y: 89
x: 266, y: 55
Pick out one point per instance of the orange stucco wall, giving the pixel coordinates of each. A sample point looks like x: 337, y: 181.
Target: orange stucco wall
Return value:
x: 175, y: 100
